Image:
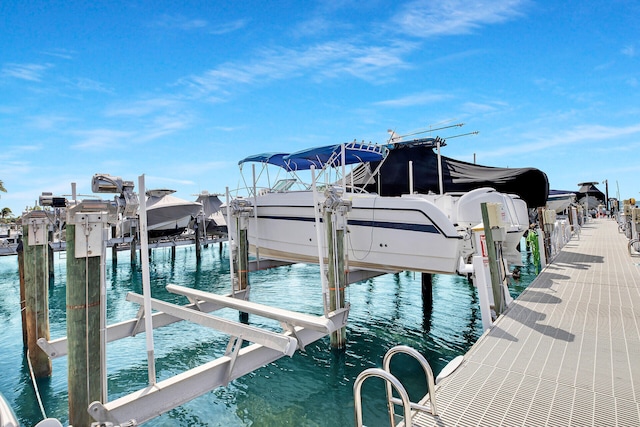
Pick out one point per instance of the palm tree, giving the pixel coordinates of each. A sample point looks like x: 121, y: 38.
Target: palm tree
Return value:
x: 4, y: 190
x: 6, y: 212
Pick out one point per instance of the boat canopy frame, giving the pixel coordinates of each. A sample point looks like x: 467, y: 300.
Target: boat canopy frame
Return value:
x: 323, y: 159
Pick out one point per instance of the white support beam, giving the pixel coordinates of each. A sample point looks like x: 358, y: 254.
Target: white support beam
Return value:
x: 145, y: 404
x: 58, y: 347
x: 273, y: 340
x: 308, y: 321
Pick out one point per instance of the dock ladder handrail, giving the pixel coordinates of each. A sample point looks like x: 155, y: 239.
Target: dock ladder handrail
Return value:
x: 391, y: 380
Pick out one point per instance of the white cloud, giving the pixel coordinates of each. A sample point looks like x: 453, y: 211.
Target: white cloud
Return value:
x: 415, y: 99
x: 629, y: 50
x: 97, y: 139
x: 321, y: 61
x: 143, y: 107
x: 578, y: 135
x: 29, y: 72
x: 180, y: 22
x: 228, y: 27
x: 427, y: 18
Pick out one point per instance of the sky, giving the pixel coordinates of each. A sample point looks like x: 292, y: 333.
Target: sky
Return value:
x: 181, y: 91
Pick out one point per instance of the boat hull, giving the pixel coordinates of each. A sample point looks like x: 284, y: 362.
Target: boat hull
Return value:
x: 383, y: 233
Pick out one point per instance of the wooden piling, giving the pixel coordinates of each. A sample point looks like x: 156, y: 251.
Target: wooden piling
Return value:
x: 83, y: 332
x: 50, y: 253
x: 20, y: 252
x: 36, y: 281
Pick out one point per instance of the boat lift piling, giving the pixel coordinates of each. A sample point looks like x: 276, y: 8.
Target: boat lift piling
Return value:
x: 335, y: 222
x: 493, y: 260
x: 36, y: 289
x: 86, y: 230
x: 240, y: 210
x: 20, y: 252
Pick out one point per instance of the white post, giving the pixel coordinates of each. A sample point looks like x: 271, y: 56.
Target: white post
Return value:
x: 146, y: 285
x: 255, y: 213
x: 319, y: 238
x: 482, y: 281
x: 440, y: 167
x: 543, y: 255
x: 230, y: 233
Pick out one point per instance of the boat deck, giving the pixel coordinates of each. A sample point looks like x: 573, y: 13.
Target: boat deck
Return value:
x: 565, y: 353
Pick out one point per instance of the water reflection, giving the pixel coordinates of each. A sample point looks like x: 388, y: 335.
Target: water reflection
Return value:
x: 312, y: 388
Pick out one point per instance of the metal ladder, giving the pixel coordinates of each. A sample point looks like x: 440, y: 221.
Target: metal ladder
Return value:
x: 392, y: 382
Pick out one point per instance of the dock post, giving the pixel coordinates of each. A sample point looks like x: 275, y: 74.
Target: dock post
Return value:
x: 427, y: 298
x: 85, y: 231
x: 496, y: 283
x: 50, y: 270
x: 20, y: 252
x: 239, y: 211
x: 243, y: 259
x: 335, y: 223
x: 36, y: 280
x: 197, y: 230
x: 114, y: 247
x: 133, y: 246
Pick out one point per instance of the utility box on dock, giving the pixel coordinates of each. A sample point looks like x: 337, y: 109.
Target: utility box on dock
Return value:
x: 38, y: 227
x: 89, y: 233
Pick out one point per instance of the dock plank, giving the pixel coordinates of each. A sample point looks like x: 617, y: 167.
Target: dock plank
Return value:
x: 567, y: 351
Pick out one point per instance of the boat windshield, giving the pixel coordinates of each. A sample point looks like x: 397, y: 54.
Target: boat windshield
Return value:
x: 283, y: 184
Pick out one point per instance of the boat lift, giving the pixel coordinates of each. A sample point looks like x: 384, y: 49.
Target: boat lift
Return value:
x: 298, y: 330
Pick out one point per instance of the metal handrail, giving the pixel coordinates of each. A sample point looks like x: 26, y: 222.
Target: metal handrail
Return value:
x: 389, y: 381
x: 428, y: 373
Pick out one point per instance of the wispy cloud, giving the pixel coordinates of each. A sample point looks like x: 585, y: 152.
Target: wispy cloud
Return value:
x: 321, y: 61
x: 89, y: 85
x: 98, y: 139
x: 179, y: 22
x: 143, y: 107
x: 422, y: 98
x: 477, y: 108
x: 161, y: 126
x: 59, y: 53
x: 629, y: 50
x: 427, y: 18
x: 51, y: 121
x: 228, y: 27
x: 29, y: 72
x: 578, y: 135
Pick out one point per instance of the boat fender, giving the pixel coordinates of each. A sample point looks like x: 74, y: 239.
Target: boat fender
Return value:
x: 49, y: 422
x: 449, y: 368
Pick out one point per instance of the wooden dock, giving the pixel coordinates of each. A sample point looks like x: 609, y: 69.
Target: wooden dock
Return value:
x: 565, y: 353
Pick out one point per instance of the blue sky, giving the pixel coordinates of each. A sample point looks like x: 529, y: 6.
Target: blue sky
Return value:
x: 181, y: 92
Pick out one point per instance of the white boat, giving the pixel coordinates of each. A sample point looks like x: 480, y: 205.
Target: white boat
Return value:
x: 383, y: 233
x: 9, y: 239
x: 168, y: 215
x: 464, y: 211
x: 215, y: 222
x: 560, y: 201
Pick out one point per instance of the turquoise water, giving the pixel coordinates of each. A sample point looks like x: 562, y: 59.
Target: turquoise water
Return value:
x: 312, y: 388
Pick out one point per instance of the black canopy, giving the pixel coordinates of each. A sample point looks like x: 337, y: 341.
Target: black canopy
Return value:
x: 530, y: 184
